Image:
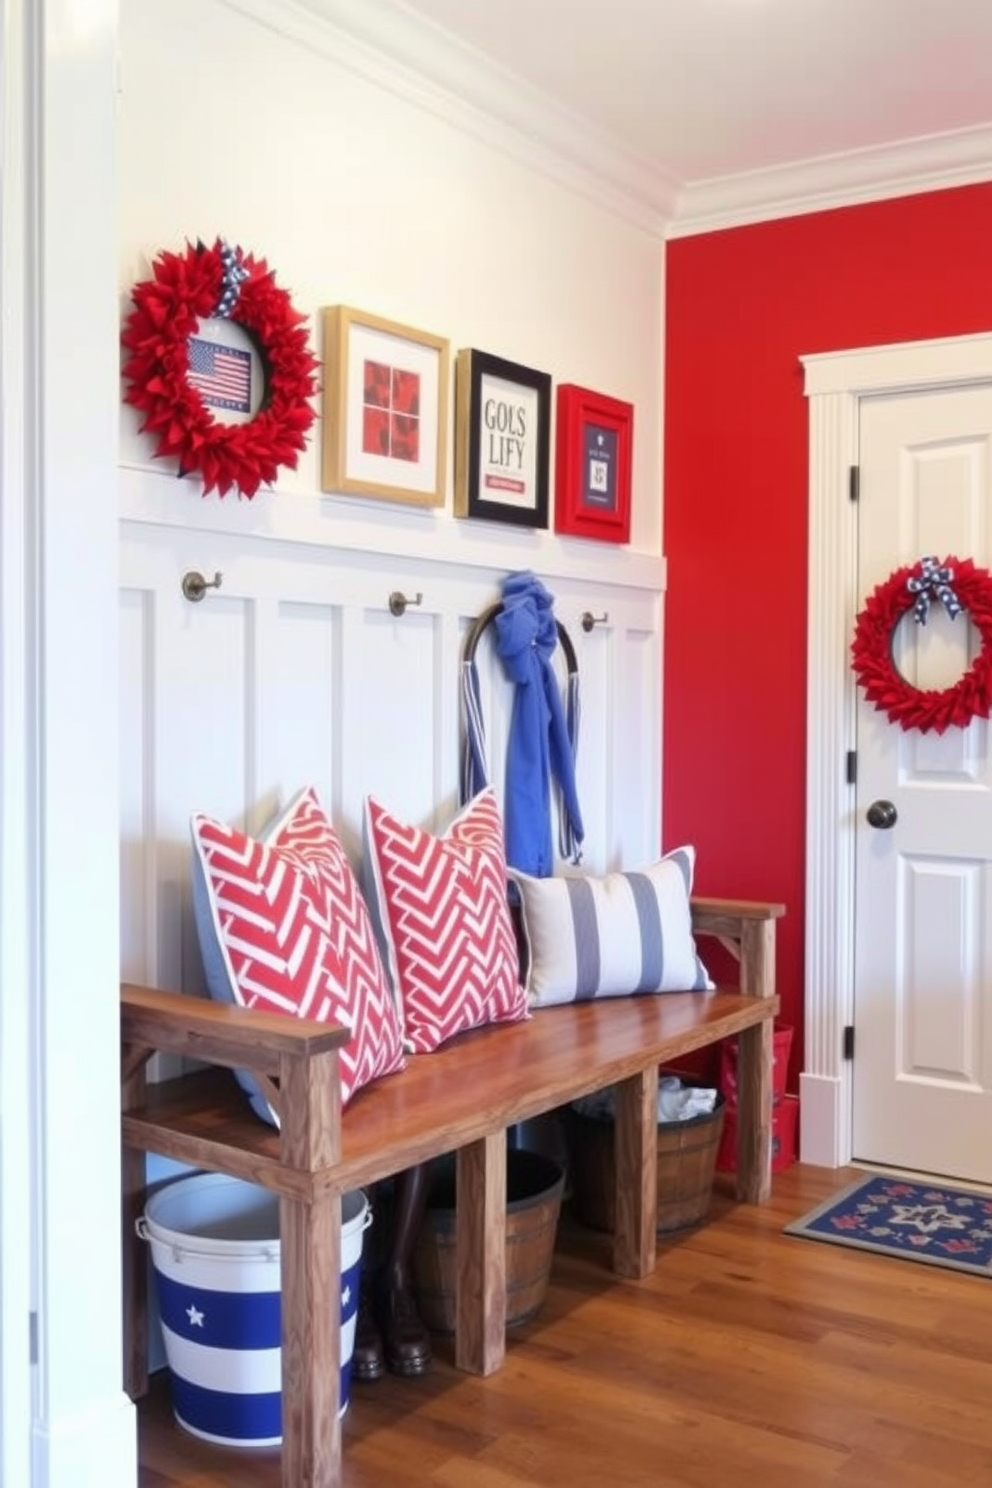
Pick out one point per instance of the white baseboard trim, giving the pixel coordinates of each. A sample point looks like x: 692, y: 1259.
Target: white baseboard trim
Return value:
x: 98, y: 1449
x: 823, y: 1138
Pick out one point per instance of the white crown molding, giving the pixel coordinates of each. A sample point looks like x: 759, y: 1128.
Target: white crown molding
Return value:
x: 960, y: 158
x: 394, y: 48
x: 391, y: 47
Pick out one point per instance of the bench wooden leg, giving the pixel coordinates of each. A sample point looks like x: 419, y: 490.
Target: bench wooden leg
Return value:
x: 480, y: 1247
x: 754, y: 1068
x: 135, y: 1277
x: 754, y: 1113
x: 134, y: 1258
x: 310, y: 1253
x: 635, y: 1137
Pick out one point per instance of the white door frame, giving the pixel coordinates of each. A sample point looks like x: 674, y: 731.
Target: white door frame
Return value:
x: 65, y: 1421
x: 18, y: 743
x: 835, y: 382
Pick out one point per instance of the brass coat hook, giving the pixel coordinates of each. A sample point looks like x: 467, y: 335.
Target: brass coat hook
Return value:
x: 195, y: 585
x: 588, y: 620
x: 399, y: 601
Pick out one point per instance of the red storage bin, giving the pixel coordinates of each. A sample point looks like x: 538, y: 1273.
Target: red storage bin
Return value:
x: 782, y: 1048
x: 785, y: 1125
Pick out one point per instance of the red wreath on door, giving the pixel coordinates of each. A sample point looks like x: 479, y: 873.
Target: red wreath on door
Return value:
x: 220, y: 281
x: 962, y: 588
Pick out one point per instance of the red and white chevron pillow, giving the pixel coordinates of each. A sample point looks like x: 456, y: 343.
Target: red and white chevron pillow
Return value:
x: 445, y: 921
x: 283, y: 926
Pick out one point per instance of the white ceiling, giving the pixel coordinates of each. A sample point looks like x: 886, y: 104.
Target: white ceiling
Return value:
x: 730, y: 101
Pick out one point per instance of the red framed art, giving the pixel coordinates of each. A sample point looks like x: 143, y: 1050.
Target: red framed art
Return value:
x: 595, y: 435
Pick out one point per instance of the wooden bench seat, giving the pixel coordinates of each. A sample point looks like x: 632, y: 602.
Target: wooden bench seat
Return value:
x: 461, y: 1098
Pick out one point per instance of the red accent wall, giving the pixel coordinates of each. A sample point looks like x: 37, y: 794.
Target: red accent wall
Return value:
x: 742, y: 305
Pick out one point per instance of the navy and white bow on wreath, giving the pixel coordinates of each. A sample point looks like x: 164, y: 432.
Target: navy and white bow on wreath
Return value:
x: 932, y: 582
x: 234, y: 275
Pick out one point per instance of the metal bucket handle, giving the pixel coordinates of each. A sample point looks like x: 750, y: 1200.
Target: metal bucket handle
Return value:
x: 184, y: 1252
x: 266, y: 1252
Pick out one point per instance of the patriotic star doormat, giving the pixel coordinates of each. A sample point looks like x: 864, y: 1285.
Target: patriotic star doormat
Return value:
x: 936, y: 1223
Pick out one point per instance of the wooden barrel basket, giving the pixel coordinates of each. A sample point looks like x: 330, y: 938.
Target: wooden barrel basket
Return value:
x: 534, y: 1186
x: 686, y: 1163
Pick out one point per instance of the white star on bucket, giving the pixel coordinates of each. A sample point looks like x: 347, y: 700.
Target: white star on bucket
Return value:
x: 195, y: 1317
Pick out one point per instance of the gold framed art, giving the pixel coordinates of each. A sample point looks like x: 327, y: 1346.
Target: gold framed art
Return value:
x: 385, y: 408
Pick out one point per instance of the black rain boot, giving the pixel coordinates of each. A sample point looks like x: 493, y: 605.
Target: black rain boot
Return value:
x: 368, y: 1359
x: 406, y: 1339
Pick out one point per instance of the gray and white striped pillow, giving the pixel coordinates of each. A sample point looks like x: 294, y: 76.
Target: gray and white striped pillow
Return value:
x: 611, y: 936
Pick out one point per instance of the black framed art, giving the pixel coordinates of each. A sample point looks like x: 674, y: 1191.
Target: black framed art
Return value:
x: 502, y: 440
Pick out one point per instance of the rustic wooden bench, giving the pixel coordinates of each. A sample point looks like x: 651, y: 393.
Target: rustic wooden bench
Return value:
x: 461, y: 1098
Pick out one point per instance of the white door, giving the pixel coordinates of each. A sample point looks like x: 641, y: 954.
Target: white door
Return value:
x: 922, y: 1076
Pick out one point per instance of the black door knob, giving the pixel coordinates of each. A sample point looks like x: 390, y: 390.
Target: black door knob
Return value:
x: 882, y: 814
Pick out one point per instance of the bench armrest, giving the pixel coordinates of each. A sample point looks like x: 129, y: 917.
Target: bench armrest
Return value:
x: 709, y: 912
x: 747, y: 929
x: 231, y: 1036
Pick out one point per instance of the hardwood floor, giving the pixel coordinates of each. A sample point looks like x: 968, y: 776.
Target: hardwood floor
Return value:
x: 749, y: 1357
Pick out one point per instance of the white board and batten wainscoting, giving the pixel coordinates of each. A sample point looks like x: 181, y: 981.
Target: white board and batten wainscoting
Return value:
x: 294, y: 671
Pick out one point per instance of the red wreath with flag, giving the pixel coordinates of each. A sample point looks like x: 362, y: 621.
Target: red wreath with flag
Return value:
x: 960, y: 587
x: 204, y: 283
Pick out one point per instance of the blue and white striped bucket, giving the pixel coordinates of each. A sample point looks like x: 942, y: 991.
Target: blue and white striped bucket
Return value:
x: 215, y: 1252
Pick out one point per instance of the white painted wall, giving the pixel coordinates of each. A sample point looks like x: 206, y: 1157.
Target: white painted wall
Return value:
x: 360, y: 189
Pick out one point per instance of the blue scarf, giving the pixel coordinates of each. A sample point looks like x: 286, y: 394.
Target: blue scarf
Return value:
x: 539, y: 744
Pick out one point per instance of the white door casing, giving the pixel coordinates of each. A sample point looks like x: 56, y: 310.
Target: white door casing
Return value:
x: 836, y: 383
x: 66, y: 1421
x: 923, y: 1050
x: 18, y: 824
